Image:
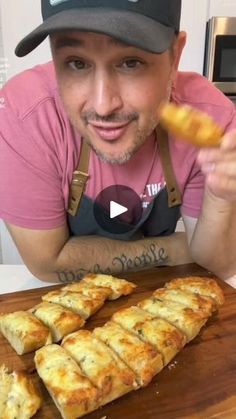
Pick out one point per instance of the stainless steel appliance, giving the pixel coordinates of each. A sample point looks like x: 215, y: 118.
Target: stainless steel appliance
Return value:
x: 220, y: 54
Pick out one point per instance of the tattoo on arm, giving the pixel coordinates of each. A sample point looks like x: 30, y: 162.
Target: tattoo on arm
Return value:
x: 153, y: 256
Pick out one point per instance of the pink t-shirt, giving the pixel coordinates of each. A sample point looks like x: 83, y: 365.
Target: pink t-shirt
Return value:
x: 39, y: 149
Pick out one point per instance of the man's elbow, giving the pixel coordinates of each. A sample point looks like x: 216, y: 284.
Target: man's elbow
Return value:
x: 43, y: 273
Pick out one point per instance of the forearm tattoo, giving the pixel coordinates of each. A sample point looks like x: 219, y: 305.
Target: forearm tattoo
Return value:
x: 153, y: 256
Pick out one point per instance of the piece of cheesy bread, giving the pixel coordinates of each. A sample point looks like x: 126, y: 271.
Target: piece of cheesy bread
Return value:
x: 100, y: 364
x: 118, y: 286
x: 141, y: 357
x: 24, y: 331
x: 206, y: 287
x: 58, y: 319
x: 72, y: 392
x: 75, y: 301
x: 89, y: 290
x: 184, y: 318
x: 190, y: 124
x: 203, y: 305
x: 5, y: 385
x: 19, y: 397
x: 167, y: 339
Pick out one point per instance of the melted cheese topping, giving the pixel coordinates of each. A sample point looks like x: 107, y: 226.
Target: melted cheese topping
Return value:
x: 188, y: 321
x: 100, y: 364
x: 60, y: 320
x: 196, y: 302
x: 77, y: 302
x: 118, y: 286
x: 70, y: 389
x: 21, y: 397
x: 89, y: 290
x: 141, y: 357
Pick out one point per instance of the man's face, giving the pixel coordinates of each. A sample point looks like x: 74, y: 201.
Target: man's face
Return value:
x: 111, y: 91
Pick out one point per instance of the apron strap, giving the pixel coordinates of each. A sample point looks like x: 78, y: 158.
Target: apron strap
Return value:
x: 79, y: 179
x: 174, y: 195
x: 80, y: 175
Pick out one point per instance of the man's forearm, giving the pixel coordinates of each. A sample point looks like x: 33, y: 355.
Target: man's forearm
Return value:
x: 97, y: 254
x: 213, y: 243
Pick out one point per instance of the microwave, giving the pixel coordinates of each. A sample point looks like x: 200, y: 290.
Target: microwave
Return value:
x: 220, y: 54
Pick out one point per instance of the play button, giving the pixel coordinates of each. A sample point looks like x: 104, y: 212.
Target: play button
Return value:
x: 117, y: 209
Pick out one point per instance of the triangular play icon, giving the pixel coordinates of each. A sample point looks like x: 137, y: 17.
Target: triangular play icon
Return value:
x: 116, y: 209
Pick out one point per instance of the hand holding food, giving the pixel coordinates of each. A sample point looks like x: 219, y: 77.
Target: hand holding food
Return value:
x: 191, y: 125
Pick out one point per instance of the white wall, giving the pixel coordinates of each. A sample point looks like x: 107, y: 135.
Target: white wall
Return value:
x: 18, y: 19
x: 193, y: 21
x: 222, y: 8
x: 9, y: 252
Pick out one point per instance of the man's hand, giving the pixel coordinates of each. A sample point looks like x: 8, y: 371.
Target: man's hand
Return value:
x: 213, y: 242
x: 219, y: 166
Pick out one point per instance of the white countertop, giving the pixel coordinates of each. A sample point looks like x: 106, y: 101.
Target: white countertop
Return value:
x: 18, y: 278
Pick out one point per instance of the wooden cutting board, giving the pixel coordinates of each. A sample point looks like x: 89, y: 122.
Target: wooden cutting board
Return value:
x: 199, y: 383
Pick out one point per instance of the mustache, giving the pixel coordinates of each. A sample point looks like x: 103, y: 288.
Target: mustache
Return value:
x: 91, y: 116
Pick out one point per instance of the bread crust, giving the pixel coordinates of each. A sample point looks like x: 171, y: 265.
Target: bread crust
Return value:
x: 199, y: 285
x: 89, y: 289
x: 182, y: 317
x: 24, y: 331
x: 200, y: 304
x: 141, y: 357
x: 118, y: 286
x: 75, y: 301
x: 166, y: 338
x: 191, y: 125
x: 18, y: 396
x: 101, y: 365
x: 73, y: 393
x: 58, y: 319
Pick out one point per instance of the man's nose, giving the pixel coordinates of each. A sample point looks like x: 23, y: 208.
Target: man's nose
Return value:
x: 106, y: 96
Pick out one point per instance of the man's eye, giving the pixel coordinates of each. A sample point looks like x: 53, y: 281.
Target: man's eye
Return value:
x: 78, y: 65
x: 132, y: 63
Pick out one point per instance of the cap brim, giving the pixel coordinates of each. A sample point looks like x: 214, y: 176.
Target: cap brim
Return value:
x: 128, y: 27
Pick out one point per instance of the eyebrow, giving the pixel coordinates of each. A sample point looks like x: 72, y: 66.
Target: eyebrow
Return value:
x: 68, y: 41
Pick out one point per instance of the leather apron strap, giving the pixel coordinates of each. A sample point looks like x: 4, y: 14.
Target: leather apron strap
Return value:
x: 174, y: 195
x: 79, y: 179
x: 80, y: 175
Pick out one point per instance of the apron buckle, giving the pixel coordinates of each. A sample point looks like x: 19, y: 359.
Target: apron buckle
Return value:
x: 78, y: 185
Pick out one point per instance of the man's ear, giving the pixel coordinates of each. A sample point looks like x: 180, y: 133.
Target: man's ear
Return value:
x: 178, y: 47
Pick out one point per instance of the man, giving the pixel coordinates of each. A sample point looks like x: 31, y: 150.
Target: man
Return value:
x: 114, y: 63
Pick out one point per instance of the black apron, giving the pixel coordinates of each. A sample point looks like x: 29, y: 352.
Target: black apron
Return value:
x: 159, y: 219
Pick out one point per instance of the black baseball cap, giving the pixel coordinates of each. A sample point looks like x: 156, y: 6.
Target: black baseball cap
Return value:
x: 146, y: 24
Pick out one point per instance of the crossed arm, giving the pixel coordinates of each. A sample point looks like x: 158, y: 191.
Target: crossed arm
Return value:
x: 52, y: 255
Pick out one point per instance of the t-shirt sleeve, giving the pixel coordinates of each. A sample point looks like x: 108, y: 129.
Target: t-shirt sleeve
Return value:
x: 31, y: 193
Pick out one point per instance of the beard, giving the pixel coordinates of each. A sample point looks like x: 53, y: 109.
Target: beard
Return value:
x: 125, y: 155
